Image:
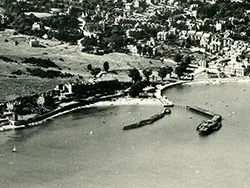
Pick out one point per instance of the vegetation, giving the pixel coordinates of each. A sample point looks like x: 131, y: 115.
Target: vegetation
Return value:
x: 95, y: 71
x: 147, y: 73
x: 45, y: 63
x: 6, y: 59
x: 47, y: 74
x: 106, y: 66
x: 177, y: 57
x: 17, y: 72
x: 134, y: 74
x: 163, y: 71
x: 137, y: 88
x: 89, y: 67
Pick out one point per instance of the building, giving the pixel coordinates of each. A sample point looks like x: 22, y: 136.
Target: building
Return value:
x: 191, y: 34
x: 234, y: 70
x: 162, y: 35
x: 198, y: 35
x: 34, y: 43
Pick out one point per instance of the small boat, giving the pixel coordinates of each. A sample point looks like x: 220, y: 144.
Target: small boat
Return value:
x: 14, y: 149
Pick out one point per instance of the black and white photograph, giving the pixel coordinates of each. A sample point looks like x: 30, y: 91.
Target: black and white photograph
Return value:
x: 124, y: 93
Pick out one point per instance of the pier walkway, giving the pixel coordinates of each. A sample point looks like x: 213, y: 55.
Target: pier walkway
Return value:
x: 197, y: 110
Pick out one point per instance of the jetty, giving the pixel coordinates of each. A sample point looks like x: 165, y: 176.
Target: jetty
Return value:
x: 201, y: 111
x: 148, y: 121
x: 209, y: 126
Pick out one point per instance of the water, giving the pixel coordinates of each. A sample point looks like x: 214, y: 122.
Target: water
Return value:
x: 169, y: 153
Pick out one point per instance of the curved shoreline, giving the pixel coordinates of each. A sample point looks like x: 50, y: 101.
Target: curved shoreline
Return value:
x: 215, y: 81
x: 122, y: 101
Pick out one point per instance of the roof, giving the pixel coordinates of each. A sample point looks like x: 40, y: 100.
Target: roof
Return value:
x: 206, y: 35
x: 199, y: 33
x: 192, y: 32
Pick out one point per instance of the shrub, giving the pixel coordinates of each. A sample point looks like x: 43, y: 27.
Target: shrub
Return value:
x: 106, y: 66
x: 48, y: 74
x: 17, y: 72
x: 45, y: 63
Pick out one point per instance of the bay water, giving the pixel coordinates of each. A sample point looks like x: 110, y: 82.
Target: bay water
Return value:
x: 88, y: 148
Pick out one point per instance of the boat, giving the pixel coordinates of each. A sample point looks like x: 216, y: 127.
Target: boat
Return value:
x: 14, y: 149
x: 209, y: 126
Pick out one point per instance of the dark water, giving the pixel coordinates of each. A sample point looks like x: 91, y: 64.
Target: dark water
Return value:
x: 169, y: 153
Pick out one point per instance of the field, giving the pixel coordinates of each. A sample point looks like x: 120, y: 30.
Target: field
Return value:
x: 68, y: 57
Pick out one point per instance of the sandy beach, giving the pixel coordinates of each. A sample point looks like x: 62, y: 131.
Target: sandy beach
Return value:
x: 128, y: 101
x: 217, y: 81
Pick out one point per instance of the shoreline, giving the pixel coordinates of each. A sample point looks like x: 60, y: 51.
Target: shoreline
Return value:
x: 123, y: 101
x: 214, y: 81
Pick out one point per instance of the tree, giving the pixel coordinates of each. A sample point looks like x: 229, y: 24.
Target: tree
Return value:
x: 177, y: 57
x: 169, y: 70
x: 147, y: 73
x: 187, y: 60
x: 137, y: 88
x: 179, y: 71
x: 89, y: 67
x: 135, y: 74
x: 95, y: 71
x: 162, y: 72
x: 106, y: 66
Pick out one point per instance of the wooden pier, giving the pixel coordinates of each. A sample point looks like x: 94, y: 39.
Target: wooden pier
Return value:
x: 201, y: 111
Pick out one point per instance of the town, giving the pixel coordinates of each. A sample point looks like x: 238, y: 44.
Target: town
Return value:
x: 213, y: 34
x: 202, y: 39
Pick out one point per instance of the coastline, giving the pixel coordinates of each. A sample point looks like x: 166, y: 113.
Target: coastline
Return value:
x: 115, y: 102
x: 122, y: 101
x: 217, y: 81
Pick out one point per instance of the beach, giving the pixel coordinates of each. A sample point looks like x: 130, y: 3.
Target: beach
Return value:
x: 217, y: 81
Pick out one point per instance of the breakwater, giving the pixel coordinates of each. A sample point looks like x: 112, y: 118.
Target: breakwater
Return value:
x: 148, y: 121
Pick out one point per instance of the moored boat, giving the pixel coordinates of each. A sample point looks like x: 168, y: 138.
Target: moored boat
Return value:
x: 209, y: 126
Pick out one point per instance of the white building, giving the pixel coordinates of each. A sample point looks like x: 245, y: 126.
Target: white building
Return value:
x: 234, y: 70
x: 34, y: 43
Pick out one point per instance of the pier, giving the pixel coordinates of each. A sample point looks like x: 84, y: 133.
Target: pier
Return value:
x: 201, y: 111
x: 197, y: 110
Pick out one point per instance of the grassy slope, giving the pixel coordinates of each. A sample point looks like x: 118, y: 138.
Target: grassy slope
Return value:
x: 73, y: 62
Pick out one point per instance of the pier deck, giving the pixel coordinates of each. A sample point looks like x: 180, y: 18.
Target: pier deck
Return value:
x: 201, y: 111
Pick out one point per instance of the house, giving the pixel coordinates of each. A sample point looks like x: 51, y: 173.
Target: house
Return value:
x: 129, y: 6
x: 218, y: 26
x: 215, y: 44
x: 55, y: 11
x: 172, y: 31
x: 136, y: 3
x: 205, y: 40
x: 227, y: 42
x: 34, y: 43
x: 234, y: 70
x: 162, y: 35
x: 41, y: 100
x: 36, y: 26
x: 183, y: 33
x: 134, y: 50
x: 198, y: 35
x: 191, y: 34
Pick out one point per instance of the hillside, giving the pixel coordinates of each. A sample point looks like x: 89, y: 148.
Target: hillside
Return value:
x: 15, y: 48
